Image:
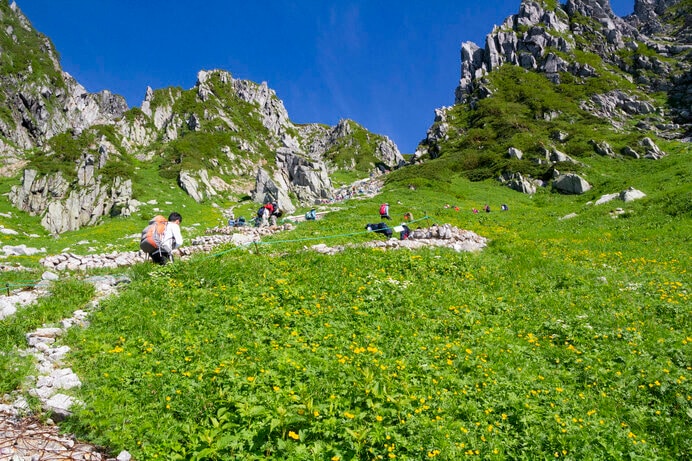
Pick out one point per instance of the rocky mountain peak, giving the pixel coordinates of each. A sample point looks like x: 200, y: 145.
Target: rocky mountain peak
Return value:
x: 42, y: 100
x: 597, y: 9
x: 647, y: 15
x: 545, y: 39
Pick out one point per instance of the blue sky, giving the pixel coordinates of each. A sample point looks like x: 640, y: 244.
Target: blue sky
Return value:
x: 385, y: 64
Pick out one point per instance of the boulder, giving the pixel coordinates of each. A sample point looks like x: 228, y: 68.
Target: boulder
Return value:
x: 197, y: 184
x: 602, y: 148
x: 652, y: 150
x: 557, y: 156
x: 59, y: 406
x: 307, y: 179
x: 515, y: 153
x: 606, y: 198
x: 571, y: 183
x: 631, y: 194
x: 519, y: 183
x: 627, y: 151
x: 266, y: 190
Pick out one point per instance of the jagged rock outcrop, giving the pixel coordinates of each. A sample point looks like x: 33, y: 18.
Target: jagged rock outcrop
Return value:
x: 266, y: 190
x: 602, y: 148
x: 64, y: 209
x: 647, y: 15
x: 517, y: 182
x: 200, y: 186
x: 436, y: 133
x: 307, y: 179
x: 319, y: 142
x: 616, y: 106
x: 136, y: 132
x: 304, y: 162
x: 528, y: 39
x: 162, y: 112
x: 388, y: 154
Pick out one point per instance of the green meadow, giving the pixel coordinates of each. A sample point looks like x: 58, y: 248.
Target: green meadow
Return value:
x: 563, y: 339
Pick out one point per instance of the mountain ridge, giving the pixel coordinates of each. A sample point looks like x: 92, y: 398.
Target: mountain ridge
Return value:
x: 225, y: 138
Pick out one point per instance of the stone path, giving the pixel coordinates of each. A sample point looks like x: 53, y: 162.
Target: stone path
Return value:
x: 437, y: 236
x: 217, y: 236
x: 440, y: 236
x: 23, y: 436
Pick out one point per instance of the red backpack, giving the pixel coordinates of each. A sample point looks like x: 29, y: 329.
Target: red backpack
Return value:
x: 383, y: 209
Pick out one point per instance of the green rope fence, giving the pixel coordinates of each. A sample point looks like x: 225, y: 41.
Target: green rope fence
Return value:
x: 20, y: 284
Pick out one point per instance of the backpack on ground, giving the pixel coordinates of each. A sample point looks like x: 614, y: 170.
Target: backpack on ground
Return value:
x: 152, y: 235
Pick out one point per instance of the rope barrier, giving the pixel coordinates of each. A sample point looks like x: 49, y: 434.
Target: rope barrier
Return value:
x: 22, y: 285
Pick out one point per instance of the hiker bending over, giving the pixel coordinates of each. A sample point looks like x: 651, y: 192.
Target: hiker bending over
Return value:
x: 384, y: 211
x: 276, y: 213
x: 263, y: 214
x: 405, y: 232
x: 161, y: 237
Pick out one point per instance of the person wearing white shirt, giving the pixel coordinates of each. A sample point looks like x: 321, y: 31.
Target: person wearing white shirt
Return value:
x: 172, y: 239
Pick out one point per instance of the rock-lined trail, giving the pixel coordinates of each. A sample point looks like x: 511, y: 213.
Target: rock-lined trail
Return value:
x: 436, y: 235
x: 22, y: 435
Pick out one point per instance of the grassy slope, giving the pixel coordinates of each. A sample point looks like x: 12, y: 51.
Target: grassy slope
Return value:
x: 563, y: 338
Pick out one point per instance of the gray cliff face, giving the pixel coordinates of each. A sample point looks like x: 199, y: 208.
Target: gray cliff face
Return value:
x: 64, y: 209
x: 529, y: 38
x: 40, y: 110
